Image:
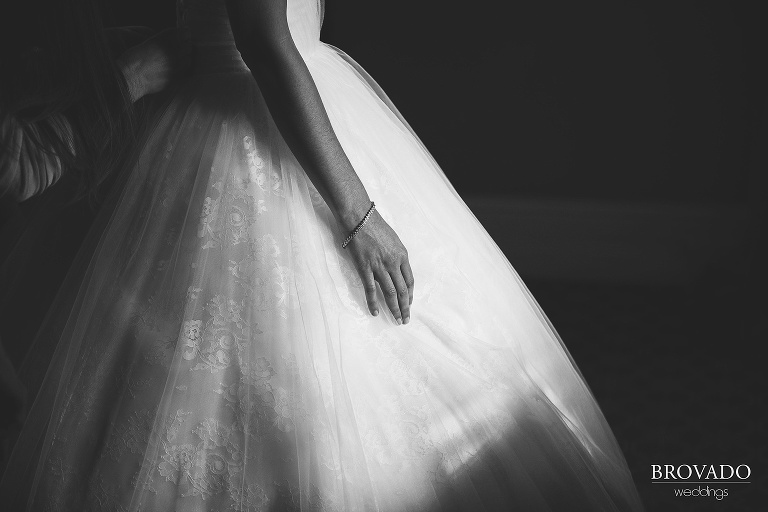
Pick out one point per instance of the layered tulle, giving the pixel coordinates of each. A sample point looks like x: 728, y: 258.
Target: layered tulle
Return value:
x: 217, y: 354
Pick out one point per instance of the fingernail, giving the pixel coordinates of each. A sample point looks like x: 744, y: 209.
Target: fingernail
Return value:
x: 398, y: 321
x: 375, y: 312
x: 406, y: 320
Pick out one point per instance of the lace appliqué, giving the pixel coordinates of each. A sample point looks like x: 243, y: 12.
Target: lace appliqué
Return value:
x: 221, y: 340
x: 212, y: 466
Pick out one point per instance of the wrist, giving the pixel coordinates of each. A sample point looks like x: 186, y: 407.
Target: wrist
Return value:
x: 351, y: 215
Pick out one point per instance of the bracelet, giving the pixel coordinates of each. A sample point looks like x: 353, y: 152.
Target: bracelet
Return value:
x: 359, y: 226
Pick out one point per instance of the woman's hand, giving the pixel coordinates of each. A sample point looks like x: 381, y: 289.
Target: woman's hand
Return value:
x: 150, y: 66
x: 380, y: 255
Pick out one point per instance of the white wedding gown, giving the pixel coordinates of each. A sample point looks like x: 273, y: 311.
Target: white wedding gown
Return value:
x: 218, y: 354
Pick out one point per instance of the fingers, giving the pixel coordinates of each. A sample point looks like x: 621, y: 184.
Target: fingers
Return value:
x: 403, y: 298
x: 396, y: 294
x: 405, y: 268
x: 390, y: 293
x: 369, y: 285
x: 397, y: 288
x: 380, y: 257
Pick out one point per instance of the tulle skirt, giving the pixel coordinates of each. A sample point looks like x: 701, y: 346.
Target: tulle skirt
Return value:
x: 217, y: 352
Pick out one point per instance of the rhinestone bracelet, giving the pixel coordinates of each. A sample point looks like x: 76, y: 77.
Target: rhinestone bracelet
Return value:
x: 359, y: 226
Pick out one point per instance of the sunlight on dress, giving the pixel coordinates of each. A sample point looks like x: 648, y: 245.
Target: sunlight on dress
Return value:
x: 219, y: 355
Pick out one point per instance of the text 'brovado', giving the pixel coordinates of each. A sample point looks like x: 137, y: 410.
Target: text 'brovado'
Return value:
x: 711, y: 472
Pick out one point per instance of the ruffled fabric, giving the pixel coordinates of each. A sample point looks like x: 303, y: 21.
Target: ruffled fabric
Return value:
x: 26, y: 169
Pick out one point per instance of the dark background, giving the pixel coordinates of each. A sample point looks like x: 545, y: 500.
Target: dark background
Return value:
x: 598, y: 99
x: 617, y: 152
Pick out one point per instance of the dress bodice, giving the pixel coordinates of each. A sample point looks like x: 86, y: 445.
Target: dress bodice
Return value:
x: 208, y: 22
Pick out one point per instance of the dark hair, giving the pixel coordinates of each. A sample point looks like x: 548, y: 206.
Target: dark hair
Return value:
x: 57, y: 62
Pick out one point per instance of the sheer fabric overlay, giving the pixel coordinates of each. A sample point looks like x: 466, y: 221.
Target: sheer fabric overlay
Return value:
x: 216, y: 352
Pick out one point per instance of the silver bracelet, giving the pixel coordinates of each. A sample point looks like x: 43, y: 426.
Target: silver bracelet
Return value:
x: 359, y: 226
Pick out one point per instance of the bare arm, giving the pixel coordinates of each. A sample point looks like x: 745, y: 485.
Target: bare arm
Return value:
x: 264, y: 40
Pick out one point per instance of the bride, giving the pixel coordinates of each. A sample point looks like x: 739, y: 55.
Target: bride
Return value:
x: 227, y: 347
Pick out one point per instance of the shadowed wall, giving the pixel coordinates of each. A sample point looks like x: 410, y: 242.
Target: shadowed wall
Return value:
x: 651, y: 100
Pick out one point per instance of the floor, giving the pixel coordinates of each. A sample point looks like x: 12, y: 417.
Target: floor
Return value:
x: 678, y: 375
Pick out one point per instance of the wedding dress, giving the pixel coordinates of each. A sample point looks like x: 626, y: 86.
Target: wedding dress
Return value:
x: 218, y: 355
